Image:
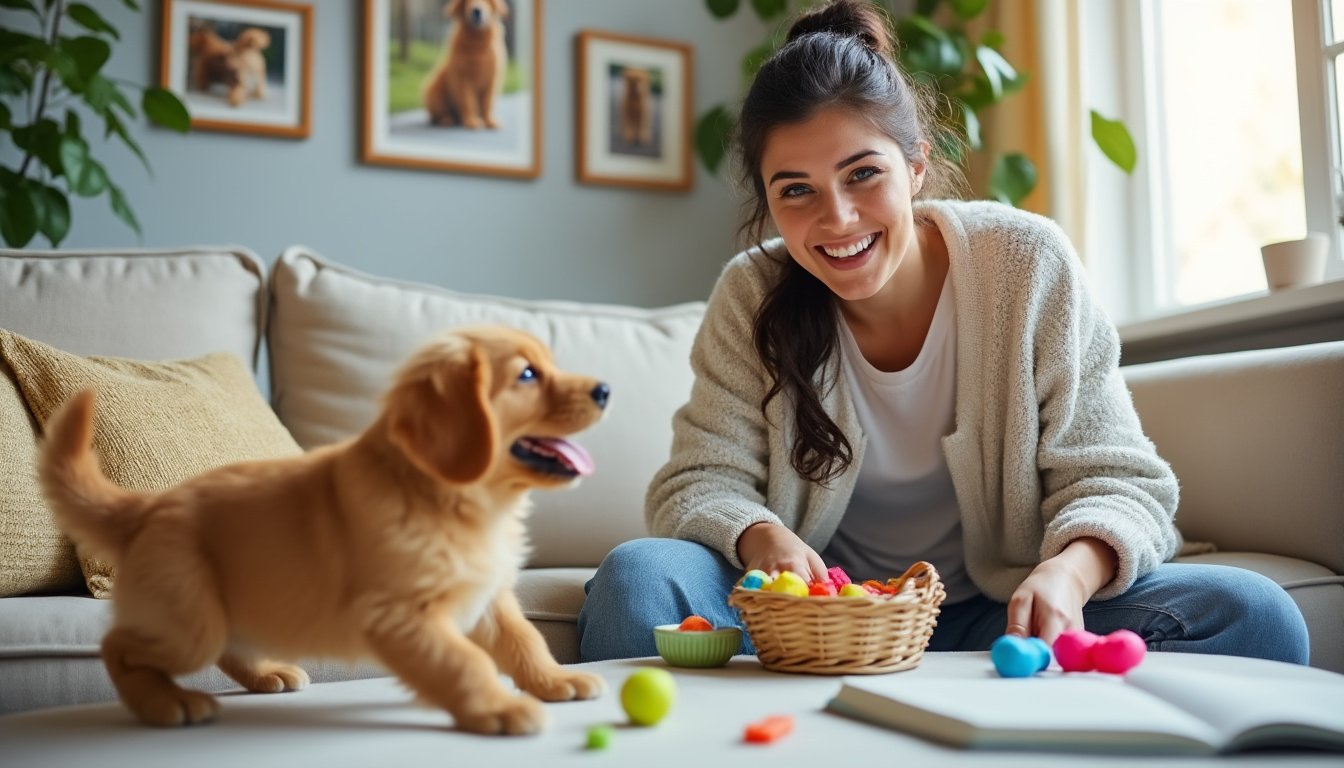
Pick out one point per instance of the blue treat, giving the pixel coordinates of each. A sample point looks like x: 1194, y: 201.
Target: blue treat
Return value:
x: 752, y: 582
x: 1015, y: 656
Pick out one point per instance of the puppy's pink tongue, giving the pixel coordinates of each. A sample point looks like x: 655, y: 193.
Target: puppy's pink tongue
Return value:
x: 572, y: 454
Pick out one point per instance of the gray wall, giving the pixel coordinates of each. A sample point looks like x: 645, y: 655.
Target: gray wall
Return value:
x: 545, y: 238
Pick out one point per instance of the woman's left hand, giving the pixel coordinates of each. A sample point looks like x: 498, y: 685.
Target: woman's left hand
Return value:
x: 1051, y: 599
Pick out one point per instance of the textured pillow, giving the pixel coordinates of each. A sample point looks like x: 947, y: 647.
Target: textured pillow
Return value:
x: 336, y: 335
x: 157, y: 423
x: 34, y: 555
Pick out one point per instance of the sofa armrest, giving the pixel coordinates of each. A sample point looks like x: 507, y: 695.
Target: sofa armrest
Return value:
x: 1257, y: 441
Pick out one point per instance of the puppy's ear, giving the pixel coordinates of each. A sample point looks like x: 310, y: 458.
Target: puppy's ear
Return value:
x: 501, y: 9
x: 443, y: 423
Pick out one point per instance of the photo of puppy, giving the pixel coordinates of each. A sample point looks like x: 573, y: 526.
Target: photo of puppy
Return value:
x: 238, y: 66
x: 463, y: 88
x: 636, y: 107
x: 402, y: 544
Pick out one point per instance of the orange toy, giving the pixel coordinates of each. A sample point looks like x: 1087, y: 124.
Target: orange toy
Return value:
x: 769, y: 730
x: 695, y: 624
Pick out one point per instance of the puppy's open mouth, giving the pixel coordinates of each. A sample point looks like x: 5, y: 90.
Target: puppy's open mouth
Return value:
x: 553, y: 456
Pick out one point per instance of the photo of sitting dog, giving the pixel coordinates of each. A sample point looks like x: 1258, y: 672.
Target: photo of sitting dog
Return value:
x: 463, y: 87
x: 239, y: 65
x: 402, y: 544
x: 636, y: 107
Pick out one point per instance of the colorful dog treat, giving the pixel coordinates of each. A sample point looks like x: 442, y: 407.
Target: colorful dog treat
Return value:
x: 1078, y: 650
x: 821, y: 589
x: 695, y: 624
x: 838, y: 576
x: 1015, y: 656
x: 599, y: 737
x: 648, y: 695
x: 755, y: 579
x: 769, y: 730
x: 789, y: 583
x: 853, y: 590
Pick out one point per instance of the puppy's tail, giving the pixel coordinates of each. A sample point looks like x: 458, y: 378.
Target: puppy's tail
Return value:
x: 98, y: 515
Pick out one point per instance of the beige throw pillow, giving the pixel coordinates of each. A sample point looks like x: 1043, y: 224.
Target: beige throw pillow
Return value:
x: 34, y: 555
x: 157, y: 423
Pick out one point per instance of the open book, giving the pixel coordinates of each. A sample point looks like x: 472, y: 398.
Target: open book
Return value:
x: 1168, y: 711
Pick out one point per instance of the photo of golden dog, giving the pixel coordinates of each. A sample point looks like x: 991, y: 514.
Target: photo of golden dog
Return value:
x: 239, y: 65
x: 636, y: 107
x: 463, y: 88
x: 402, y: 544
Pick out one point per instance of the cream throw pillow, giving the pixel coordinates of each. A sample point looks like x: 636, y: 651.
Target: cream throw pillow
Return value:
x: 34, y: 555
x: 157, y: 423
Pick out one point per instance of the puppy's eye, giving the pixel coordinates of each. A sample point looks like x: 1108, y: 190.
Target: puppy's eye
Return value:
x: 529, y: 374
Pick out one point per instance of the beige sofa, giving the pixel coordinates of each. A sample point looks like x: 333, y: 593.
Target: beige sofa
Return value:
x: 1257, y: 438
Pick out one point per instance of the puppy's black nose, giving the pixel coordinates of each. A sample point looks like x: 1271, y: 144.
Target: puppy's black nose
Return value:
x: 600, y: 394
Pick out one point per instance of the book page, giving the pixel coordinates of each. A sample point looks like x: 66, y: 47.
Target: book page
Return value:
x: 1042, y: 712
x: 1255, y: 711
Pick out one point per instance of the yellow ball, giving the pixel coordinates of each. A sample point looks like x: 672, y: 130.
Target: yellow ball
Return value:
x: 789, y: 583
x: 853, y: 590
x: 648, y: 695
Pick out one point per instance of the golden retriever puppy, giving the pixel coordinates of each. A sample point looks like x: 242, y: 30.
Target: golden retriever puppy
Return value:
x: 402, y: 544
x: 463, y: 88
x: 212, y: 58
x: 251, y: 65
x: 636, y: 107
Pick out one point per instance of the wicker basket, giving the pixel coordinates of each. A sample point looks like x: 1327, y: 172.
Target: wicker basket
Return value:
x: 844, y: 635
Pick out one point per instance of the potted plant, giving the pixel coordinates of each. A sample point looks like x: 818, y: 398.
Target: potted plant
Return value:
x: 49, y: 82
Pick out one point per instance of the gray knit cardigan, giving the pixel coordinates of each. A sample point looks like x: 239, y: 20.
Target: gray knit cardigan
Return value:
x: 1047, y: 447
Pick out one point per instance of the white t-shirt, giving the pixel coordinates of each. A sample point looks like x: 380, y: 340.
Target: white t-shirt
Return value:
x: 904, y: 508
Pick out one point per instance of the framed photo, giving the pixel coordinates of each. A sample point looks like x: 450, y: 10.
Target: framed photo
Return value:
x: 240, y: 65
x: 453, y: 85
x: 634, y: 111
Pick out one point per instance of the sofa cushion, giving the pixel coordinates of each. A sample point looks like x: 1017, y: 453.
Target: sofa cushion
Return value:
x: 34, y: 555
x: 144, y: 304
x: 336, y: 335
x: 157, y: 423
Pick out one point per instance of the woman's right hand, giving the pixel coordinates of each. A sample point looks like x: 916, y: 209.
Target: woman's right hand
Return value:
x: 773, y: 548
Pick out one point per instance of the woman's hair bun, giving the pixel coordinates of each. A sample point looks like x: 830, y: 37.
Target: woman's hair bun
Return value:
x: 847, y: 18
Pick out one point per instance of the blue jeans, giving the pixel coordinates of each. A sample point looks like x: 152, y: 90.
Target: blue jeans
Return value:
x: 1178, y: 607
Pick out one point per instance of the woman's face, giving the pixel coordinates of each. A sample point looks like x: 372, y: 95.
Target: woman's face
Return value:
x: 839, y: 192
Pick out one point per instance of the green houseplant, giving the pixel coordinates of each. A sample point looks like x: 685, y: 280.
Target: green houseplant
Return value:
x: 968, y: 76
x: 47, y: 80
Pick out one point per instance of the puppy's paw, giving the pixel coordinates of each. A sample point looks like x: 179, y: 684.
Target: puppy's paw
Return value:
x: 277, y: 678
x: 563, y: 685
x: 513, y: 716
x: 171, y: 708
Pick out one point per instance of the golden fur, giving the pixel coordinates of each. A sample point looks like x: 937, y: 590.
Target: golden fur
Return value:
x: 636, y: 107
x: 238, y: 66
x: 402, y: 544
x: 463, y: 88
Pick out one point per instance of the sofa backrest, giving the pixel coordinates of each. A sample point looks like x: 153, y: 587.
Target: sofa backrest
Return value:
x: 336, y: 336
x: 143, y: 304
x: 1257, y: 441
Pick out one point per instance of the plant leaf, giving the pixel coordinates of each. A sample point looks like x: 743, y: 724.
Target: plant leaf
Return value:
x: 722, y: 9
x: 751, y: 63
x: 18, y: 220
x: 99, y: 93
x: 115, y: 126
x: 711, y: 136
x: 969, y: 9
x: 1115, y: 142
x: 971, y: 122
x: 132, y: 5
x: 89, y: 54
x: 163, y: 108
x: 768, y: 9
x: 52, y: 210
x: 6, y: 119
x: 926, y: 7
x: 997, y: 69
x: 83, y: 174
x: 89, y: 19
x: 21, y: 5
x: 1012, y: 179
x: 122, y: 208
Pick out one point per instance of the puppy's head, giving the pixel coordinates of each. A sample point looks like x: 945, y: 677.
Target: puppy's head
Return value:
x: 477, y: 14
x: 252, y: 39
x: 488, y: 403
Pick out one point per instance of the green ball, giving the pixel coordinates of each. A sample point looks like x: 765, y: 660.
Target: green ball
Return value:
x: 599, y: 737
x: 648, y: 695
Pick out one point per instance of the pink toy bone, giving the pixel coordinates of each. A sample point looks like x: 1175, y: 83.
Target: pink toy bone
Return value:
x: 838, y: 576
x: 1078, y: 650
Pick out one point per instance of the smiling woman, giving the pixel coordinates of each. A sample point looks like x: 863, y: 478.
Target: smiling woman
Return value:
x: 931, y: 382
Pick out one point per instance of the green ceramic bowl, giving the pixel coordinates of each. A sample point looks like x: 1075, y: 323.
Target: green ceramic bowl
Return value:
x: 696, y: 649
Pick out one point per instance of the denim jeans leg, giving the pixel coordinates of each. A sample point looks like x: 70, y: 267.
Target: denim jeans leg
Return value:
x: 646, y: 582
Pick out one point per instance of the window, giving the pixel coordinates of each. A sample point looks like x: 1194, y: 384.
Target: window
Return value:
x: 1235, y: 106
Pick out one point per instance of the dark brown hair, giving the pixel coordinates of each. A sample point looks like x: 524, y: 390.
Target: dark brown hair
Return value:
x: 838, y: 55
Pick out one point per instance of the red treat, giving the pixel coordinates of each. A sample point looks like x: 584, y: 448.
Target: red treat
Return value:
x: 695, y: 624
x: 838, y: 576
x: 1118, y: 652
x: 772, y: 728
x: 821, y: 589
x: 1073, y: 650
